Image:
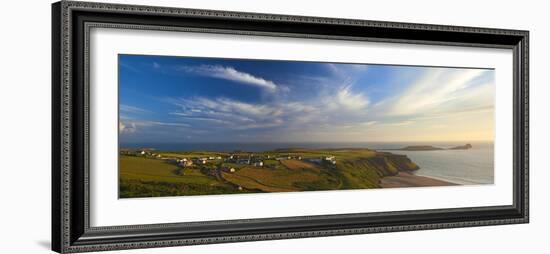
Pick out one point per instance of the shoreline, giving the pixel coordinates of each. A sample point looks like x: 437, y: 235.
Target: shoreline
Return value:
x: 405, y: 179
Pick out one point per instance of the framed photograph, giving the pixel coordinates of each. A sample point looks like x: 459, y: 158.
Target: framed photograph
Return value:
x: 181, y: 126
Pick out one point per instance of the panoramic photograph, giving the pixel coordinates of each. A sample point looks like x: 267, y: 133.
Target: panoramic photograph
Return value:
x: 205, y: 126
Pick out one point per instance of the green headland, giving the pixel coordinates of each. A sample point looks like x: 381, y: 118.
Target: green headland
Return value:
x: 150, y: 173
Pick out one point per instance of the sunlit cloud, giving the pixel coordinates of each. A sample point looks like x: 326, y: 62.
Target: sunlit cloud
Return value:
x: 433, y: 90
x: 351, y: 100
x: 369, y: 123
x: 230, y: 73
x: 227, y: 113
x: 322, y: 102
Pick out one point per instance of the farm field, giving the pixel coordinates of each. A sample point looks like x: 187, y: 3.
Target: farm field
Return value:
x: 172, y: 173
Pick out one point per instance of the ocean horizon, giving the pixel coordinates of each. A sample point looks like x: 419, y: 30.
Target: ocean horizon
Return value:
x: 267, y: 146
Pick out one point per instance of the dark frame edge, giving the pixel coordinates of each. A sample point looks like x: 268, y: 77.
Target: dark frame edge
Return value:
x: 56, y: 170
x: 522, y: 140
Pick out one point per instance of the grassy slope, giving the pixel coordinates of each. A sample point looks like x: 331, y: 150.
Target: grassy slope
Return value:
x: 355, y: 169
x: 291, y: 177
x: 145, y: 177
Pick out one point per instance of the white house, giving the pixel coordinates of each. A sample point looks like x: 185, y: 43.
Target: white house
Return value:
x: 331, y: 159
x: 185, y: 162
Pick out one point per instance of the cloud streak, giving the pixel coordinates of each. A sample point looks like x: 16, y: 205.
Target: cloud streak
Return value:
x: 336, y: 107
x: 299, y: 101
x: 132, y: 109
x: 231, y: 74
x: 436, y: 90
x: 130, y: 126
x: 224, y: 113
x: 351, y: 100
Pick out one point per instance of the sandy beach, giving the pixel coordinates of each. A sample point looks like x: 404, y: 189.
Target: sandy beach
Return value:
x: 404, y: 179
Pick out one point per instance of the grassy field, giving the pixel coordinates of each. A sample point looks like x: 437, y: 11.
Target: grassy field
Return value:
x: 301, y: 165
x: 146, y: 177
x: 154, y: 175
x: 282, y: 178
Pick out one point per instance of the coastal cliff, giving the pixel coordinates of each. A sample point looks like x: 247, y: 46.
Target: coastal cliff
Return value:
x: 144, y: 174
x: 390, y: 164
x: 367, y: 172
x: 395, y: 171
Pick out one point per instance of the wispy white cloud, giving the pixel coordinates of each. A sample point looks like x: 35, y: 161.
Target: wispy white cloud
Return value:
x: 149, y: 123
x: 226, y: 105
x: 129, y: 126
x: 436, y: 91
x: 369, y: 123
x: 400, y: 123
x: 128, y: 67
x: 132, y: 109
x: 351, y: 100
x: 440, y: 104
x: 337, y: 108
x: 224, y: 113
x: 345, y: 70
x: 230, y: 73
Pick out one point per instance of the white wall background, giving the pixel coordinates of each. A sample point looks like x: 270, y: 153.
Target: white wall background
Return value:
x: 25, y: 125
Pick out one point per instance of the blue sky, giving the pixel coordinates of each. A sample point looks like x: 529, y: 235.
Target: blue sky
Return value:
x: 183, y: 99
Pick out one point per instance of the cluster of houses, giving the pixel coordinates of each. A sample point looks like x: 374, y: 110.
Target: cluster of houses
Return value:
x: 204, y: 160
x: 144, y: 152
x: 249, y: 159
x: 183, y: 162
x: 321, y: 160
x: 288, y: 157
x: 257, y: 161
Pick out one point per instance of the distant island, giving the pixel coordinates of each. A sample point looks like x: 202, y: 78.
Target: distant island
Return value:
x: 431, y: 148
x: 464, y: 147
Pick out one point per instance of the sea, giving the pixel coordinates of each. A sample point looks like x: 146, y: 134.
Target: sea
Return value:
x: 472, y: 166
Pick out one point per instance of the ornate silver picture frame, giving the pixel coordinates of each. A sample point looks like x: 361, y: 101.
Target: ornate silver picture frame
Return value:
x: 71, y: 196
